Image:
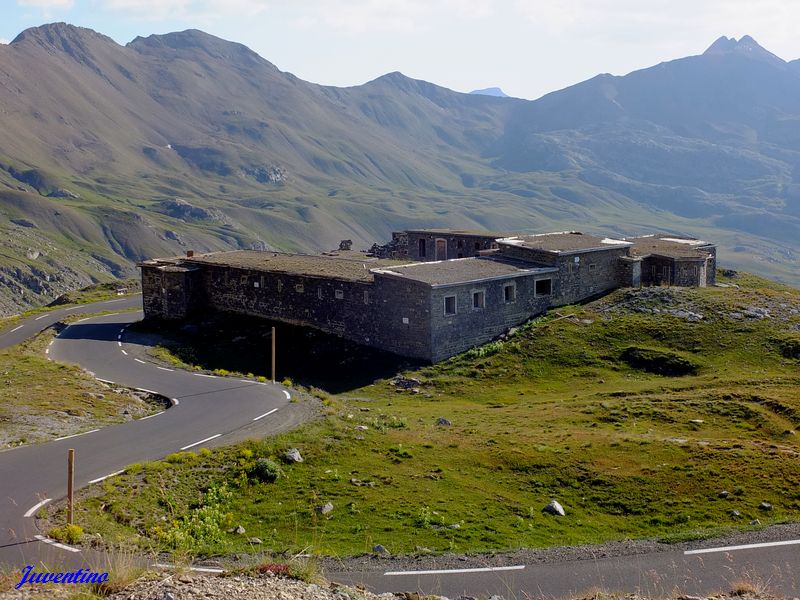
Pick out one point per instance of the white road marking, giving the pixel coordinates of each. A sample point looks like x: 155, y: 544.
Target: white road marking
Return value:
x: 16, y: 328
x: 51, y: 342
x: 204, y: 375
x: 110, y: 301
x: 288, y: 395
x: 147, y: 391
x: 36, y: 507
x: 119, y: 337
x: 448, y: 571
x: 110, y: 314
x: 105, y: 381
x: 99, y: 479
x: 245, y: 381
x: 119, y: 343
x: 125, y: 353
x: 175, y: 402
x: 742, y: 547
x: 66, y: 437
x: 83, y: 319
x: 73, y: 308
x: 41, y: 538
x: 139, y: 360
x: 208, y: 439
x: 42, y: 317
x: 266, y: 414
x: 197, y: 569
x: 151, y: 416
x: 165, y: 369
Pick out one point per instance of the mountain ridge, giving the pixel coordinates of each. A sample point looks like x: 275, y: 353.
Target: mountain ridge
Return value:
x: 186, y: 140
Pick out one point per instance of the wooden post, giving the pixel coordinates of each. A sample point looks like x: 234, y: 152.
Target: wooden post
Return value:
x: 273, y: 355
x: 70, y: 481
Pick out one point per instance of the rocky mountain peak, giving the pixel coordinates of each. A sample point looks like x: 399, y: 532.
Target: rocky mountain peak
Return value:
x: 61, y: 36
x: 193, y: 41
x: 745, y: 46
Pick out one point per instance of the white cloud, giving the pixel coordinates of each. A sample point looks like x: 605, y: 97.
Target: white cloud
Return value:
x: 197, y: 9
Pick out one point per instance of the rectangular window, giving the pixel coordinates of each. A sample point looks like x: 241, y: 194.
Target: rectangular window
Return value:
x: 544, y: 287
x: 510, y: 293
x: 592, y: 267
x: 319, y: 293
x: 339, y: 294
x: 449, y: 305
x: 366, y: 296
x: 256, y: 284
x: 479, y: 299
x: 299, y: 288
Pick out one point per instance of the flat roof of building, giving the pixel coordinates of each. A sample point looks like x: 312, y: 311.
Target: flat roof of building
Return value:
x: 465, y: 232
x: 462, y: 270
x: 563, y: 242
x: 328, y: 267
x: 670, y: 246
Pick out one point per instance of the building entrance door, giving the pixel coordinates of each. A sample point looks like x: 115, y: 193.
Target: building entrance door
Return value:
x: 441, y: 249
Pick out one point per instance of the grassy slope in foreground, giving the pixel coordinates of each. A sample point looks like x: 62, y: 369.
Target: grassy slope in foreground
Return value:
x: 553, y: 412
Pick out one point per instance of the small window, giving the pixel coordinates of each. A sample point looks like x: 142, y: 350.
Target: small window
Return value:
x: 256, y: 284
x: 299, y: 288
x: 366, y: 296
x: 280, y: 285
x: 449, y: 305
x: 422, y: 248
x: 339, y: 294
x: 544, y: 287
x: 243, y: 278
x: 319, y: 293
x: 460, y: 244
x: 479, y: 299
x: 405, y: 320
x: 510, y: 293
x: 477, y: 245
x: 460, y: 255
x: 592, y: 267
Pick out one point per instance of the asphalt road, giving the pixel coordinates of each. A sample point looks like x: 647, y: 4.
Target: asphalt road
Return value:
x: 212, y: 410
x: 207, y: 411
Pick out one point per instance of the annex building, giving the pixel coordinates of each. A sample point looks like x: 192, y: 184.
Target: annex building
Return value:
x: 428, y: 294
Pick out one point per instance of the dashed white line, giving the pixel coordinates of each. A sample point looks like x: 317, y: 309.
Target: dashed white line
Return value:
x: 449, y: 571
x: 41, y: 538
x: 66, y: 437
x: 165, y: 369
x: 110, y: 314
x: 83, y: 319
x: 111, y: 301
x: 151, y: 416
x: 99, y: 479
x: 125, y: 353
x: 208, y: 439
x: 742, y: 547
x: 119, y: 336
x: 266, y: 414
x: 139, y: 360
x: 147, y: 391
x: 42, y: 317
x: 204, y: 375
x: 16, y: 328
x: 197, y: 569
x: 119, y: 343
x: 32, y: 510
x: 288, y: 395
x: 47, y: 351
x: 73, y: 308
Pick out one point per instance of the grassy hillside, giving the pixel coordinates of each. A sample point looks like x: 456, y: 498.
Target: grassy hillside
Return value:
x: 635, y: 412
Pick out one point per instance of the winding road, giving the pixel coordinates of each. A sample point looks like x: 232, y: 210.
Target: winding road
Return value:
x: 210, y: 411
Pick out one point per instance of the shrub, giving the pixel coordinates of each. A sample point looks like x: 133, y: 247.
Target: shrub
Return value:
x: 266, y: 470
x: 790, y: 346
x: 68, y: 534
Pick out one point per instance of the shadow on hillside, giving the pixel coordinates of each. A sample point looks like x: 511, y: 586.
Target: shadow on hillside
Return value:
x: 306, y: 356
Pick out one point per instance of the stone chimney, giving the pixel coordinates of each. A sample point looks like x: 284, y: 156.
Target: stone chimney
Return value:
x: 189, y: 253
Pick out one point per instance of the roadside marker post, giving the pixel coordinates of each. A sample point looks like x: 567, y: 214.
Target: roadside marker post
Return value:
x: 273, y: 355
x: 70, y: 481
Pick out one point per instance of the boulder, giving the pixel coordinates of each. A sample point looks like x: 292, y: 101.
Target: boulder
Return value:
x: 442, y: 422
x: 379, y: 549
x: 325, y: 508
x: 293, y: 456
x: 554, y: 508
x: 254, y: 540
x: 765, y: 506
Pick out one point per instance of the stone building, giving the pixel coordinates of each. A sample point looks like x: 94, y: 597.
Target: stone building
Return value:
x: 429, y: 310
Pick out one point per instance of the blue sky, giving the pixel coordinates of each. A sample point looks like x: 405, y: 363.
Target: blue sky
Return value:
x: 527, y: 47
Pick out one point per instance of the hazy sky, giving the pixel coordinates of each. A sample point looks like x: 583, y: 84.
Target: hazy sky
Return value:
x: 527, y: 47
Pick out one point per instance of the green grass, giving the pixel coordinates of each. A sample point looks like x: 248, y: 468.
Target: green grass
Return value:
x: 552, y: 413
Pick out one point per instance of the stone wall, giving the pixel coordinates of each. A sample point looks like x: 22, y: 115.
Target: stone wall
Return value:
x: 392, y: 316
x: 457, y: 245
x: 170, y: 292
x: 471, y: 326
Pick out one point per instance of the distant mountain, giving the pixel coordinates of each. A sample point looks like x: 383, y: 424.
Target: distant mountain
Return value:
x: 491, y: 91
x: 110, y: 154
